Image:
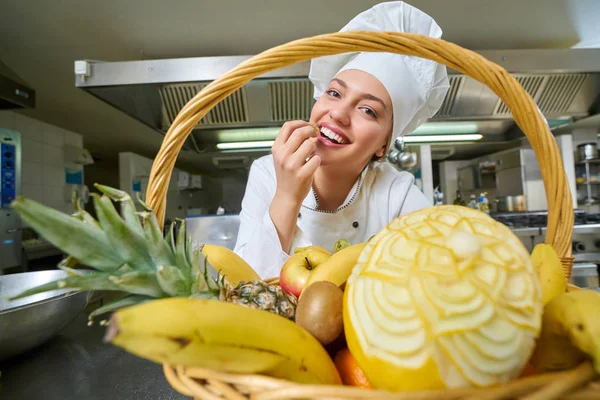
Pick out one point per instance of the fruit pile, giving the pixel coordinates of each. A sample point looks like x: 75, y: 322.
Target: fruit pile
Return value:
x: 444, y: 297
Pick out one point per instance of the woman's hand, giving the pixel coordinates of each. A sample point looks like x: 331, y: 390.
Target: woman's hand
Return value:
x: 296, y: 141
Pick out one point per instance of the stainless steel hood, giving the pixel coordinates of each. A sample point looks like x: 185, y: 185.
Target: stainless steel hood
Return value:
x: 14, y: 94
x: 565, y: 83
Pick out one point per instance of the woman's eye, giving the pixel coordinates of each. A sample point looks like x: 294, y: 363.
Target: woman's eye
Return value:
x: 333, y: 93
x: 370, y: 112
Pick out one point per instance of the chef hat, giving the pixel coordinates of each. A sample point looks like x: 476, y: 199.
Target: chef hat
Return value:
x: 416, y: 86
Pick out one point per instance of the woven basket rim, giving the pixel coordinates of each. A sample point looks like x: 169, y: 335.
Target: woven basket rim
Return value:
x: 519, y: 102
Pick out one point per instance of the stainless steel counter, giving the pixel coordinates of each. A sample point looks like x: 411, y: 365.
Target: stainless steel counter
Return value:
x: 78, y: 365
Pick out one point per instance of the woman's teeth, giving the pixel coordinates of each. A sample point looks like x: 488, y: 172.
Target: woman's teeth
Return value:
x: 331, y: 135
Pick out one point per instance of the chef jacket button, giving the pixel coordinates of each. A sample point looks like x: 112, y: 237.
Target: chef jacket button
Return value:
x: 299, y: 215
x: 355, y: 224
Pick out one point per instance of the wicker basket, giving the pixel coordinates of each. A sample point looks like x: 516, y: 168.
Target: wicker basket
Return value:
x: 206, y: 384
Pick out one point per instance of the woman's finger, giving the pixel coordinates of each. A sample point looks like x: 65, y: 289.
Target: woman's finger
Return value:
x: 298, y: 137
x: 309, y: 169
x: 305, y: 150
x: 286, y: 130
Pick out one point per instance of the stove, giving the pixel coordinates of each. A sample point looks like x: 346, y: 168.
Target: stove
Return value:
x: 539, y: 219
x: 530, y: 227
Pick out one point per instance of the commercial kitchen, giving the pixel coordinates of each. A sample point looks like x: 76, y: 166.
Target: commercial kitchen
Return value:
x: 88, y: 91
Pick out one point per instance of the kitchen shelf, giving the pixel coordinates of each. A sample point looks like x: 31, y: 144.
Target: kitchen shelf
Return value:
x: 592, y: 161
x: 588, y: 183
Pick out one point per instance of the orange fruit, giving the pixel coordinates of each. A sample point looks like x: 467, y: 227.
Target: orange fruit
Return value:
x: 528, y: 371
x: 349, y: 370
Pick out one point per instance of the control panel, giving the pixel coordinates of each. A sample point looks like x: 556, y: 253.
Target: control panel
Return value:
x: 8, y: 174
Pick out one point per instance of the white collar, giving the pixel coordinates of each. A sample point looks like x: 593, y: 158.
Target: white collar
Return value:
x: 311, y: 201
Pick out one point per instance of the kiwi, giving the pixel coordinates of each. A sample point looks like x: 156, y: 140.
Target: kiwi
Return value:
x: 319, y: 311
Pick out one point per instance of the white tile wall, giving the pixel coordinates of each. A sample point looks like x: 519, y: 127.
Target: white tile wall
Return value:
x: 34, y: 192
x: 73, y: 139
x: 53, y: 156
x: 31, y: 173
x: 31, y: 150
x: 7, y: 119
x: 43, y: 166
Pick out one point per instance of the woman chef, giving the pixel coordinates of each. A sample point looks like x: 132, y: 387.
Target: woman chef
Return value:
x: 323, y: 181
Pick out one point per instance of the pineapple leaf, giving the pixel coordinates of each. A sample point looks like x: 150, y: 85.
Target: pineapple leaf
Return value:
x: 120, y: 303
x: 212, y: 284
x: 188, y: 250
x: 143, y: 203
x: 170, y: 237
x: 172, y: 281
x: 198, y: 280
x: 160, y: 252
x: 84, y: 241
x: 70, y: 263
x: 128, y: 211
x: 70, y: 271
x: 138, y: 282
x: 81, y: 214
x: 181, y: 259
x: 92, y: 281
x: 131, y: 246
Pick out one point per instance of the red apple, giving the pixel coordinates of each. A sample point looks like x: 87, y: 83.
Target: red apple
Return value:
x: 296, y: 270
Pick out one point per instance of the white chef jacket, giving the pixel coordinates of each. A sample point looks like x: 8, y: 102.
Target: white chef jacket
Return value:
x: 380, y: 194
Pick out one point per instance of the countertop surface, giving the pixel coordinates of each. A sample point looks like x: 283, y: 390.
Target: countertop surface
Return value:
x: 77, y: 364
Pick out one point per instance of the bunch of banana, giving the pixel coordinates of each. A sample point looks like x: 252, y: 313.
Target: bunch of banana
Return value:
x: 324, y: 266
x: 337, y: 268
x: 570, y: 332
x: 549, y: 269
x: 223, y: 337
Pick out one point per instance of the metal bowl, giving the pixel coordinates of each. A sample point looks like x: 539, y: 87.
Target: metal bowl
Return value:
x: 31, y: 321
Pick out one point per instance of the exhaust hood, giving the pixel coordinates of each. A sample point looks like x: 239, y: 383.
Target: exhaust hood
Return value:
x: 13, y: 93
x: 565, y: 83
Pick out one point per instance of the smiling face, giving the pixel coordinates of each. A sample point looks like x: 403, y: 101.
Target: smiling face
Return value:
x: 354, y: 116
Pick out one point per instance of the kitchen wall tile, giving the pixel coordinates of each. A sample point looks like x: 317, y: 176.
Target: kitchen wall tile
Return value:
x: 7, y: 119
x: 29, y: 128
x: 31, y: 151
x: 53, y: 156
x: 53, y: 197
x: 53, y: 135
x: 73, y: 139
x: 53, y: 176
x: 31, y: 173
x: 34, y: 192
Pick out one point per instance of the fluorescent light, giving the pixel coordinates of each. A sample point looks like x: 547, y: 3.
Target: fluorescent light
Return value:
x: 269, y: 133
x: 407, y: 139
x: 441, y: 138
x: 245, y: 145
x: 445, y: 128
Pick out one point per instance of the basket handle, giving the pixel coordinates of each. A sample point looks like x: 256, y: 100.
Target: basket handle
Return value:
x: 523, y: 108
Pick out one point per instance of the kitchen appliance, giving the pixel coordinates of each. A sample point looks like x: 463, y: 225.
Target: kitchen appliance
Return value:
x: 29, y: 322
x: 511, y: 203
x: 10, y: 187
x: 14, y: 94
x: 400, y: 156
x: 221, y: 230
x: 587, y: 151
x: 564, y: 83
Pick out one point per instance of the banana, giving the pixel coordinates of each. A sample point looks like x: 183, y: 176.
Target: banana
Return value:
x: 570, y: 332
x: 228, y: 263
x: 338, y: 267
x: 221, y: 336
x: 550, y: 271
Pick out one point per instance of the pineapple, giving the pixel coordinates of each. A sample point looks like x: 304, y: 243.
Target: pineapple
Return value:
x: 129, y: 254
